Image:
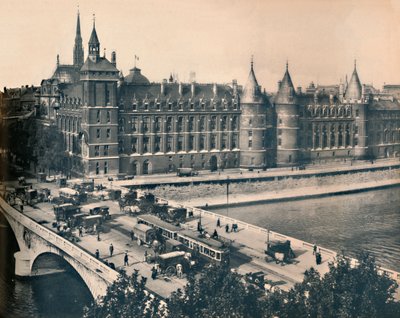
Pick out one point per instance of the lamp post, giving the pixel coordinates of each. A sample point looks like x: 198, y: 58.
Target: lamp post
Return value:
x: 227, y: 197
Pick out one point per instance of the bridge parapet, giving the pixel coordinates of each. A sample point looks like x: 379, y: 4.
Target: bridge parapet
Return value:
x: 92, y: 271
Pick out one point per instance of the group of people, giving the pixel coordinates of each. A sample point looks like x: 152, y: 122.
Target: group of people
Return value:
x: 234, y: 227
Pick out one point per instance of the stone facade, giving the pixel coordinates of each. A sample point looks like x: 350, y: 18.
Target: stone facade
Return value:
x: 115, y: 124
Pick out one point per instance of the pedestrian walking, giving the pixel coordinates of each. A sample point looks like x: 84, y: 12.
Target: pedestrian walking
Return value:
x: 98, y: 235
x: 153, y: 273
x: 111, y: 248
x: 318, y: 258
x: 132, y: 235
x: 80, y: 229
x: 126, y: 259
x: 179, y: 270
x: 97, y: 254
x: 219, y: 222
x: 145, y: 256
x: 314, y: 249
x: 227, y: 228
x: 22, y: 208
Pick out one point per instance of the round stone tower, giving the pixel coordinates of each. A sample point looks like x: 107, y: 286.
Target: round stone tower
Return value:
x: 355, y: 97
x: 287, y: 112
x: 253, y: 105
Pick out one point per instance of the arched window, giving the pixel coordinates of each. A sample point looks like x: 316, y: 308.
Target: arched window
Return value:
x: 316, y: 137
x: 340, y: 136
x: 347, y: 135
x: 324, y: 137
x: 332, y: 137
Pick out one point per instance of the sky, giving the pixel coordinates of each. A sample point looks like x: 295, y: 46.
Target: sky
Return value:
x: 213, y: 38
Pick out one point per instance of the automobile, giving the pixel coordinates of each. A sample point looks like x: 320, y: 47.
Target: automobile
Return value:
x: 65, y: 211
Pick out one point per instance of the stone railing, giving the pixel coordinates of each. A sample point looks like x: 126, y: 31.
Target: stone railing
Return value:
x: 274, y: 235
x: 64, y: 245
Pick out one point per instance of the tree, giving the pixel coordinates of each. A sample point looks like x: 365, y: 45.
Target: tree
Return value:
x: 128, y: 298
x: 217, y: 293
x: 345, y: 291
x: 50, y: 148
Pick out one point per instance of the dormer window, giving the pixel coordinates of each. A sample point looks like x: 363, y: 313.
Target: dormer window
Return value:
x: 169, y: 106
x: 180, y: 106
x: 203, y: 106
x: 134, y: 106
x: 191, y: 106
x: 158, y: 106
x: 146, y: 106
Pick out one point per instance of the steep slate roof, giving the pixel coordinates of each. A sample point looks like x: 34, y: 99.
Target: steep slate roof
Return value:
x: 286, y: 91
x: 93, y: 37
x: 171, y: 90
x: 66, y: 74
x: 353, y: 90
x: 384, y: 105
x: 102, y: 65
x: 251, y: 92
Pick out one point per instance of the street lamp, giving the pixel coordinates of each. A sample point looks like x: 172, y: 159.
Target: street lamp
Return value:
x: 227, y: 196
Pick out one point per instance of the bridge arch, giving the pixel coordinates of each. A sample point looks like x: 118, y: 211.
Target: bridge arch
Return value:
x: 34, y: 239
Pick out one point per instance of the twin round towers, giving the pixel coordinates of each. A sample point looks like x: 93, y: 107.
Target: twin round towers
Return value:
x: 259, y: 122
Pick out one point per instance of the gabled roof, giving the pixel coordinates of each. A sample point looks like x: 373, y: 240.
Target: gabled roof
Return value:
x: 286, y: 93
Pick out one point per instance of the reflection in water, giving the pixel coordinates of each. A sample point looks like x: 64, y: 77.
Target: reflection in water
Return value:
x: 368, y: 221
x: 60, y: 295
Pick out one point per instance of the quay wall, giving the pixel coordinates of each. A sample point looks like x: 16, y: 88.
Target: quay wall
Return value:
x: 324, y: 191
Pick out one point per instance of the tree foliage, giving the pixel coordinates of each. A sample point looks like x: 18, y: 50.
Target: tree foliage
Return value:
x: 217, y: 293
x: 126, y: 297
x: 345, y: 291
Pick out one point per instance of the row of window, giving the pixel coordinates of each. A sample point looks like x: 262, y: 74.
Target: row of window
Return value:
x: 180, y: 124
x: 104, y: 153
x: 183, y: 105
x: 179, y: 144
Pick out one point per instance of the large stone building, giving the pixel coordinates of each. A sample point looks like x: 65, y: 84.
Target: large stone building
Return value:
x: 114, y: 124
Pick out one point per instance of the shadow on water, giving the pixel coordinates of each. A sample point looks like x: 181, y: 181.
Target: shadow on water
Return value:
x: 61, y: 295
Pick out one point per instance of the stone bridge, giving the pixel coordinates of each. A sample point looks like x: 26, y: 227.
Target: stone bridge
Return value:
x: 34, y: 240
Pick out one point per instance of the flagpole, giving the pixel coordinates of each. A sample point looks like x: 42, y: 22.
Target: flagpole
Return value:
x: 227, y: 197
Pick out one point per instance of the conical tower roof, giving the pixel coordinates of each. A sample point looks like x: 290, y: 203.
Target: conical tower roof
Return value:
x: 94, y: 40
x: 354, y: 88
x: 286, y: 93
x: 78, y: 27
x: 251, y: 92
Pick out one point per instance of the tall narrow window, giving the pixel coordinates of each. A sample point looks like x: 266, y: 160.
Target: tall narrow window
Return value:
x: 105, y: 150
x: 108, y: 116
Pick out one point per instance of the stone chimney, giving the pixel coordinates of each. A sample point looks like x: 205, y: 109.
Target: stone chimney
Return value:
x: 215, y: 89
x: 163, y: 86
x: 192, y: 88
x: 180, y: 89
x: 114, y: 58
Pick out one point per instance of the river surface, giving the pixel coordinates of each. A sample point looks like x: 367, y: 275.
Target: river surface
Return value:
x: 367, y: 221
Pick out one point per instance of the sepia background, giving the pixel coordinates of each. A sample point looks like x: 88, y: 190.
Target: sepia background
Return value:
x: 215, y: 39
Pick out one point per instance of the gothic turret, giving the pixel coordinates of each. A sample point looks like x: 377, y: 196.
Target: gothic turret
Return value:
x: 287, y: 122
x: 253, y: 125
x: 94, y: 45
x: 353, y: 91
x: 251, y: 92
x: 78, y: 48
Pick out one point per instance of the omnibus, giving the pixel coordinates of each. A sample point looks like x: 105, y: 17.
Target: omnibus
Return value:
x: 166, y: 229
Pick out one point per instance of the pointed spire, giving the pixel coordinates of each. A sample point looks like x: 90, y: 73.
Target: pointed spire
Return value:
x: 286, y: 92
x: 354, y: 89
x: 94, y: 44
x: 251, y: 92
x: 78, y: 48
x: 78, y: 26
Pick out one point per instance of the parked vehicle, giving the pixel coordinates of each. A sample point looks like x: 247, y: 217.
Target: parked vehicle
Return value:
x: 90, y: 221
x: 168, y: 262
x: 65, y: 211
x: 31, y: 196
x: 186, y: 172
x: 280, y: 251
x: 144, y: 234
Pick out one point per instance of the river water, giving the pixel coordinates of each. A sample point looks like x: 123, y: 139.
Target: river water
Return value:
x: 368, y: 221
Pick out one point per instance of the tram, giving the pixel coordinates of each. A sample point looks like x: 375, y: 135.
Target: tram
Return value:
x: 210, y: 248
